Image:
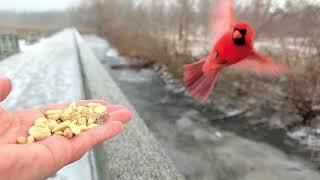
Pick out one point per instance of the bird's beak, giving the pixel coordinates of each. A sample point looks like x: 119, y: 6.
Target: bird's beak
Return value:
x: 237, y: 34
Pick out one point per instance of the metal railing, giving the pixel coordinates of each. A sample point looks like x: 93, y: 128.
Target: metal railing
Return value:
x: 9, y: 44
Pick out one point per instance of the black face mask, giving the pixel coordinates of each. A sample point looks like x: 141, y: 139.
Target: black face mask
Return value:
x: 241, y: 41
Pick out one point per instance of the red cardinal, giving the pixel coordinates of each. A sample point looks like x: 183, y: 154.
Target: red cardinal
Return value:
x: 233, y: 45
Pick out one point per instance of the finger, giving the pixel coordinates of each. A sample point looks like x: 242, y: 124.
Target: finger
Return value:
x: 5, y: 88
x: 85, y: 141
x: 65, y: 105
x: 112, y: 108
x: 121, y: 114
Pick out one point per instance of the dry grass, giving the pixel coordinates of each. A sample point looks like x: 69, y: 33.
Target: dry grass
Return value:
x: 25, y: 30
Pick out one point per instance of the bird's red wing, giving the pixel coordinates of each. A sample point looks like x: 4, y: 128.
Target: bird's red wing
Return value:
x: 222, y: 19
x: 261, y: 65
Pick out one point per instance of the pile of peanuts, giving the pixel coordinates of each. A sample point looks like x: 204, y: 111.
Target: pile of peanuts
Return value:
x: 67, y: 122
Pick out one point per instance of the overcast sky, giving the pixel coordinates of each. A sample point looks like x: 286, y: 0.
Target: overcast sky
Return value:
x: 42, y: 5
x: 37, y: 5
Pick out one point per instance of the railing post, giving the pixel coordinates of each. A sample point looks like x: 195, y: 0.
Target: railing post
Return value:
x: 9, y: 44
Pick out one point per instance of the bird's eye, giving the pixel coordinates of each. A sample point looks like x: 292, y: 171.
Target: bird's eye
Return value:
x: 215, y: 56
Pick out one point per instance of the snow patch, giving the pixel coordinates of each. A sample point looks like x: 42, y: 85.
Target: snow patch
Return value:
x: 126, y: 76
x: 184, y: 123
x: 309, y: 137
x: 218, y: 134
x: 97, y: 43
x: 112, y: 53
x: 300, y: 134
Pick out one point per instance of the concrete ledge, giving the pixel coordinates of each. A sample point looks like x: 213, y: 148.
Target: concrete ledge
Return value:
x: 135, y: 154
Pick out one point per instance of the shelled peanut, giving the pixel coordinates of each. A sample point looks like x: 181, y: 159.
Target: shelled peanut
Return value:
x: 68, y: 122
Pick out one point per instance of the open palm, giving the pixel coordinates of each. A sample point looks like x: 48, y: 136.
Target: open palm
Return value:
x: 42, y: 159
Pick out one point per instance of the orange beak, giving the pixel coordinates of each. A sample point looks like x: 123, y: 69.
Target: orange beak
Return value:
x: 237, y: 34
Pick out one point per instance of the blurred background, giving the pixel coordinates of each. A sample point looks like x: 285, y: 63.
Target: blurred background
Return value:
x: 144, y: 45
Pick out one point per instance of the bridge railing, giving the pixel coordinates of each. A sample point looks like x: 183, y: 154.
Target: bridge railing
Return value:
x: 9, y: 44
x: 135, y: 154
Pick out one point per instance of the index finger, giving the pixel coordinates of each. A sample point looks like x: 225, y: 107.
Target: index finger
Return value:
x: 5, y: 87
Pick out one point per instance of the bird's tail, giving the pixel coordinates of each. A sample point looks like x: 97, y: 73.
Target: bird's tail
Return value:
x: 197, y: 82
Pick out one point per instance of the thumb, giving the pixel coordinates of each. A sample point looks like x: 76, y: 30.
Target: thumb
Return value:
x: 5, y: 88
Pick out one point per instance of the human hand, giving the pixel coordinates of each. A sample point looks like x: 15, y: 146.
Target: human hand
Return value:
x: 42, y: 159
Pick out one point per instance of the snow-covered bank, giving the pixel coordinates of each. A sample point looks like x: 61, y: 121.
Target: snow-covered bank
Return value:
x: 97, y: 42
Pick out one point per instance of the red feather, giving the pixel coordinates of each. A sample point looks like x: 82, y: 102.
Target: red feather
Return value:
x: 222, y: 19
x: 261, y: 65
x: 198, y: 83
